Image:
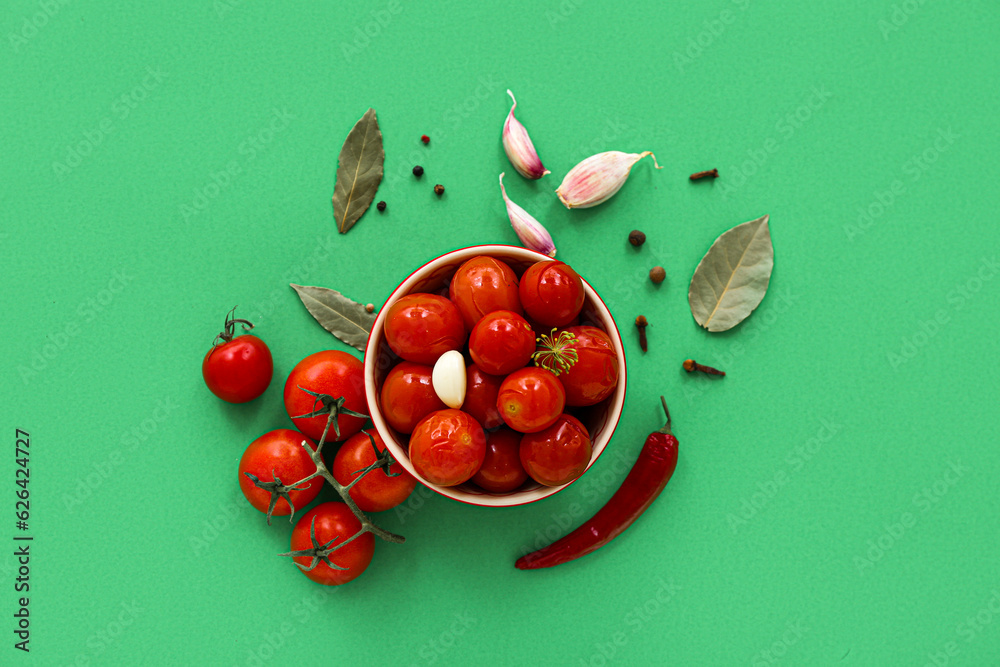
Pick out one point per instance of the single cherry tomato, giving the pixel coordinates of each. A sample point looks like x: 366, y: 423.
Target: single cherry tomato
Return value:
x: 594, y: 375
x: 480, y: 286
x: 447, y: 447
x: 333, y: 521
x: 421, y: 327
x: 408, y: 396
x: 531, y: 399
x: 376, y: 492
x: 335, y: 374
x: 280, y: 454
x: 551, y: 293
x: 481, y: 391
x: 557, y: 455
x: 501, y: 471
x: 237, y: 370
x: 501, y: 342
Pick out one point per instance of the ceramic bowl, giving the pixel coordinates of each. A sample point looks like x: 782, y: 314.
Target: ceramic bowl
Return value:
x: 433, y: 277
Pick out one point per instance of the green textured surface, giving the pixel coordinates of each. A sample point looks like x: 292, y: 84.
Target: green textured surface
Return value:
x: 812, y: 112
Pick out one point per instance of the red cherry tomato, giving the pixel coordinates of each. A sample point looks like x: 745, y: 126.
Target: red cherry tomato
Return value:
x: 551, y: 293
x: 447, y: 447
x: 501, y: 471
x: 480, y: 286
x: 330, y: 372
x: 376, y: 492
x: 501, y: 342
x: 557, y: 455
x: 531, y: 399
x: 481, y: 391
x: 279, y: 453
x: 594, y: 376
x: 239, y: 370
x: 408, y: 396
x: 421, y: 327
x: 333, y: 520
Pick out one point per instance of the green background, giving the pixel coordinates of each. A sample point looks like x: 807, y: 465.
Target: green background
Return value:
x: 836, y: 497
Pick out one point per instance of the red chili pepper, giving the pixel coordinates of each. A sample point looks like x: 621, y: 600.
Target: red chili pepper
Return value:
x: 651, y: 472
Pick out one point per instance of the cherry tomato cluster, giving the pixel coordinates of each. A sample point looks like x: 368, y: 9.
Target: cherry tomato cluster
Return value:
x: 516, y: 420
x: 273, y: 467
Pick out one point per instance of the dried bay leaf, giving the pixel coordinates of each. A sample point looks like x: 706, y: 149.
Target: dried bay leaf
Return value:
x: 732, y: 277
x: 359, y: 171
x: 344, y: 318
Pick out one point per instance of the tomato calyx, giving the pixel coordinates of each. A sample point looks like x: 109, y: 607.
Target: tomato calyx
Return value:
x: 555, y: 353
x: 230, y: 328
x: 383, y: 460
x: 320, y: 553
x: 278, y: 490
x: 328, y: 406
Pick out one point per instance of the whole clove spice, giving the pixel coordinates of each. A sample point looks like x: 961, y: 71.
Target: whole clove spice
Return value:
x: 711, y: 173
x: 690, y: 365
x: 641, y: 324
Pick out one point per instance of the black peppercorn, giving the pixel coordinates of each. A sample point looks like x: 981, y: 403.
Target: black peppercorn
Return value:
x: 418, y: 171
x: 380, y: 206
x: 439, y: 189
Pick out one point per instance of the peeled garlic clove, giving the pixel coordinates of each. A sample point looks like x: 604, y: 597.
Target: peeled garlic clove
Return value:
x: 517, y: 144
x: 594, y: 180
x: 531, y: 232
x: 448, y: 379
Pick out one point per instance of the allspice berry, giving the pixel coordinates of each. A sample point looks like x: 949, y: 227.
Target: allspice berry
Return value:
x: 636, y: 238
x: 439, y: 189
x: 657, y: 274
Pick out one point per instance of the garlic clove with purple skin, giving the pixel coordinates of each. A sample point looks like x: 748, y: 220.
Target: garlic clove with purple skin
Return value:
x: 597, y: 178
x: 517, y: 144
x: 531, y: 232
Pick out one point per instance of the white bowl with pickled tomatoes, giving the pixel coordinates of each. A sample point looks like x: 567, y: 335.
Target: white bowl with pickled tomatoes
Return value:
x: 408, y: 412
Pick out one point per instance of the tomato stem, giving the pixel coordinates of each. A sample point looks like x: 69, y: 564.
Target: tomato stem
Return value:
x: 330, y: 406
x: 230, y: 327
x: 333, y: 408
x: 320, y: 552
x: 344, y: 491
x: 666, y: 427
